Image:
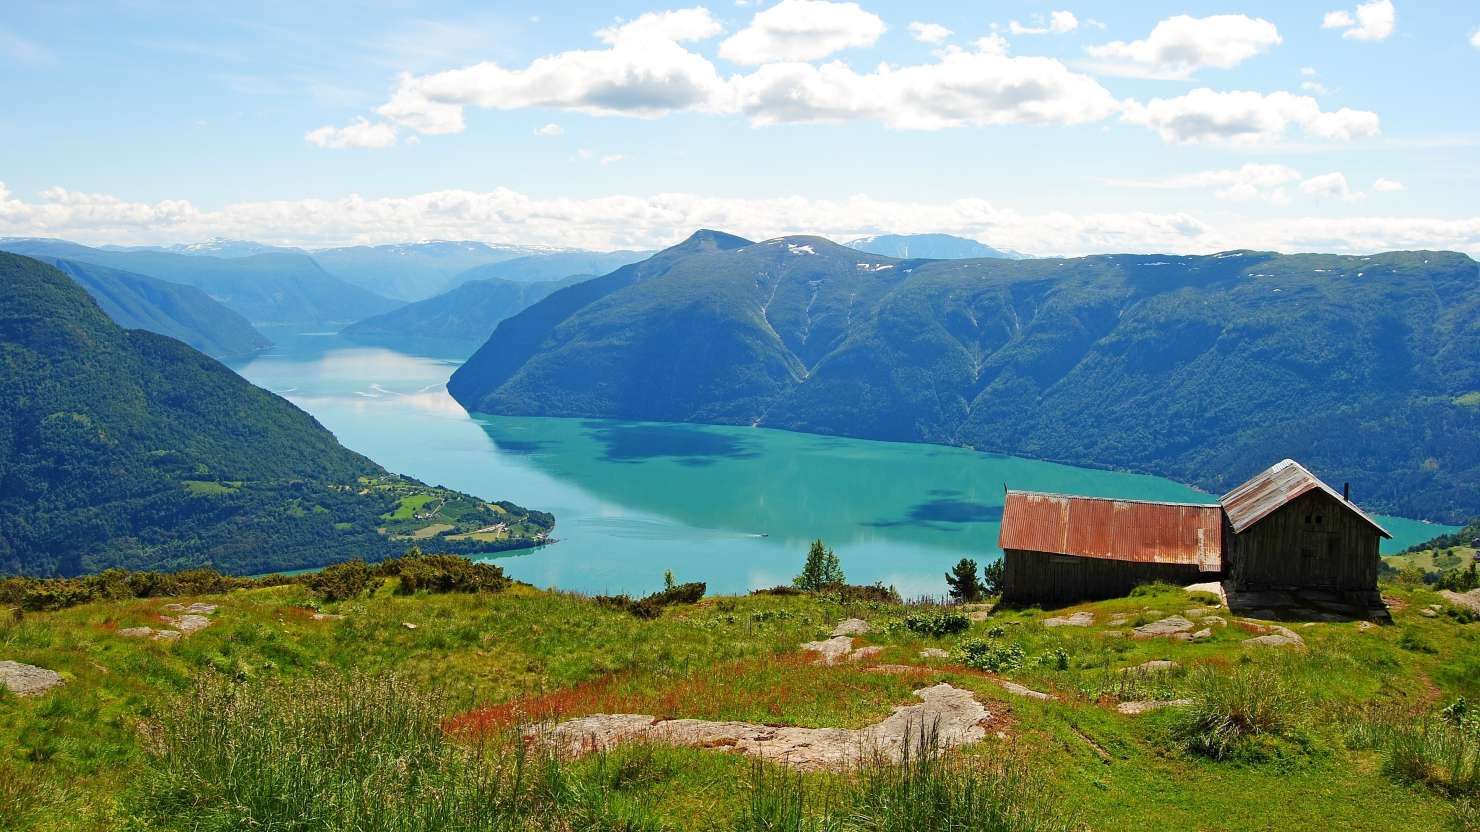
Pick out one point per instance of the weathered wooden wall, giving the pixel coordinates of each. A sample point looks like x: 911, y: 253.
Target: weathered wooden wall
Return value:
x: 1043, y: 578
x: 1314, y: 542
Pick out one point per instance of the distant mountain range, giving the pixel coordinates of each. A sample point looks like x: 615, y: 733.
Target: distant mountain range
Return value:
x: 273, y: 288
x: 135, y: 301
x: 536, y: 268
x: 417, y: 271
x: 126, y: 448
x: 1203, y: 369
x: 214, y: 247
x: 461, y: 319
x: 929, y: 247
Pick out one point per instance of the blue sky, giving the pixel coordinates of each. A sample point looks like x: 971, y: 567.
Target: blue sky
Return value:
x: 1065, y: 127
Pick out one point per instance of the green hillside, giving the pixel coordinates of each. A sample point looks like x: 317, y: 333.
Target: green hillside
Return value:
x: 463, y: 316
x: 182, y: 312
x: 270, y: 288
x: 125, y: 448
x: 1203, y: 369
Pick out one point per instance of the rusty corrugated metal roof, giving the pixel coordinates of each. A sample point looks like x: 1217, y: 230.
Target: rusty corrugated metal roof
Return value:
x: 1273, y: 488
x: 1129, y: 530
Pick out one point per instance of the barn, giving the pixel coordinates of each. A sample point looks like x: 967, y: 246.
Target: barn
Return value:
x: 1282, y: 530
x: 1290, y: 531
x: 1058, y: 548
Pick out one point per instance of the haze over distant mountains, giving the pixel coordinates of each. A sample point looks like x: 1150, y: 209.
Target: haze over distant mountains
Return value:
x: 461, y: 319
x: 1204, y: 369
x: 271, y: 288
x: 929, y: 247
x: 135, y: 301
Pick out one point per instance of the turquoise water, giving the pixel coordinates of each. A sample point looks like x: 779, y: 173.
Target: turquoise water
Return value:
x: 732, y: 506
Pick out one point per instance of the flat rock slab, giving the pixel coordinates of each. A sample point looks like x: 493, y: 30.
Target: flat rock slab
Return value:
x: 187, y: 623
x: 149, y: 633
x: 1469, y: 600
x: 955, y: 714
x: 832, y: 650
x: 1019, y: 690
x: 1153, y: 666
x: 1165, y: 627
x: 934, y: 653
x: 851, y: 627
x: 193, y: 609
x: 1146, y: 706
x: 28, y: 680
x: 1276, y: 636
x: 1078, y: 619
x: 326, y: 616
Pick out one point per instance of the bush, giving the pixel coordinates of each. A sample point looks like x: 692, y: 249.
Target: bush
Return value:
x: 1154, y: 588
x: 340, y: 582
x: 443, y: 573
x: 778, y: 590
x: 856, y: 594
x: 1230, y: 711
x: 937, y: 623
x: 651, y: 606
x: 993, y: 656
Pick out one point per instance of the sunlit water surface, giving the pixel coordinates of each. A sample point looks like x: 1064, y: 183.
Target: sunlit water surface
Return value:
x: 732, y: 506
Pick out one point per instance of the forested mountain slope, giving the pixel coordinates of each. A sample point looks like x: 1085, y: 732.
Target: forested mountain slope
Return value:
x: 465, y: 315
x: 126, y: 448
x: 185, y: 313
x: 1204, y: 369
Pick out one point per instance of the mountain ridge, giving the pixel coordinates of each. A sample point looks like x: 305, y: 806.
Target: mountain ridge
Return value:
x: 1200, y: 368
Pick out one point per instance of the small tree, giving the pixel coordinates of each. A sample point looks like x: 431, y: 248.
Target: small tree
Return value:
x: 993, y: 576
x: 821, y: 570
x: 668, y: 582
x: 964, y: 586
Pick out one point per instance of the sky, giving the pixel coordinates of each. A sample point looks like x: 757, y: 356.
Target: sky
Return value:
x: 1053, y: 128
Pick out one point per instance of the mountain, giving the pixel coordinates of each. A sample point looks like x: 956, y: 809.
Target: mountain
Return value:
x: 536, y: 268
x: 1202, y: 369
x: 214, y: 247
x: 930, y: 247
x: 463, y: 317
x: 264, y: 288
x: 181, y: 312
x: 126, y: 448
x: 416, y: 271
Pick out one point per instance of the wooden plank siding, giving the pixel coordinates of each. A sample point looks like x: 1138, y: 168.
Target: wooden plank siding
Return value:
x: 1313, y: 542
x: 1031, y: 577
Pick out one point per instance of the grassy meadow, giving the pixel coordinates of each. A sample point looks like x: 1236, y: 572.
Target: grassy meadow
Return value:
x: 271, y: 718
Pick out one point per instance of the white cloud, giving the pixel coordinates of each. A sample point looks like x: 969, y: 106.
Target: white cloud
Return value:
x: 678, y: 26
x: 929, y: 32
x: 1331, y: 186
x: 1369, y: 21
x: 1475, y: 39
x: 358, y: 134
x: 23, y: 51
x: 1242, y: 117
x: 1059, y: 23
x: 1179, y: 46
x: 964, y: 88
x: 1387, y: 186
x: 1251, y: 181
x: 1315, y: 87
x: 802, y: 30
x: 611, y: 159
x: 653, y: 220
x: 1308, y: 71
x: 549, y: 130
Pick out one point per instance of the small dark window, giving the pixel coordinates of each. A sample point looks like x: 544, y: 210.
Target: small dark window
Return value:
x: 1307, y: 553
x: 1318, y: 519
x: 1307, y: 519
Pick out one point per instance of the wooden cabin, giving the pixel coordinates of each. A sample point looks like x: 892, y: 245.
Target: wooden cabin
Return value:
x: 1059, y: 549
x: 1282, y: 530
x: 1290, y: 531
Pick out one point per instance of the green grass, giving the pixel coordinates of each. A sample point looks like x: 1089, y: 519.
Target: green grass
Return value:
x: 207, y: 488
x: 78, y: 757
x: 409, y: 507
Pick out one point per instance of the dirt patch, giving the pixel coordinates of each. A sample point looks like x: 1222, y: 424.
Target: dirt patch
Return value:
x: 955, y: 714
x: 1146, y: 706
x: 1469, y: 600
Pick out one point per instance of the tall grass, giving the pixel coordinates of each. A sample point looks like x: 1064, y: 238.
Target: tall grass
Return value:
x: 1234, y: 712
x: 926, y: 790
x: 361, y: 754
x: 1425, y: 750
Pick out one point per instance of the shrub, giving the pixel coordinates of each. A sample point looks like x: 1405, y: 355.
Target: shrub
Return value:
x: 778, y: 590
x: 443, y: 573
x: 993, y: 656
x: 651, y: 606
x: 340, y: 582
x: 857, y: 594
x: 1154, y: 588
x: 937, y: 623
x: 1229, y: 711
x: 1414, y: 641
